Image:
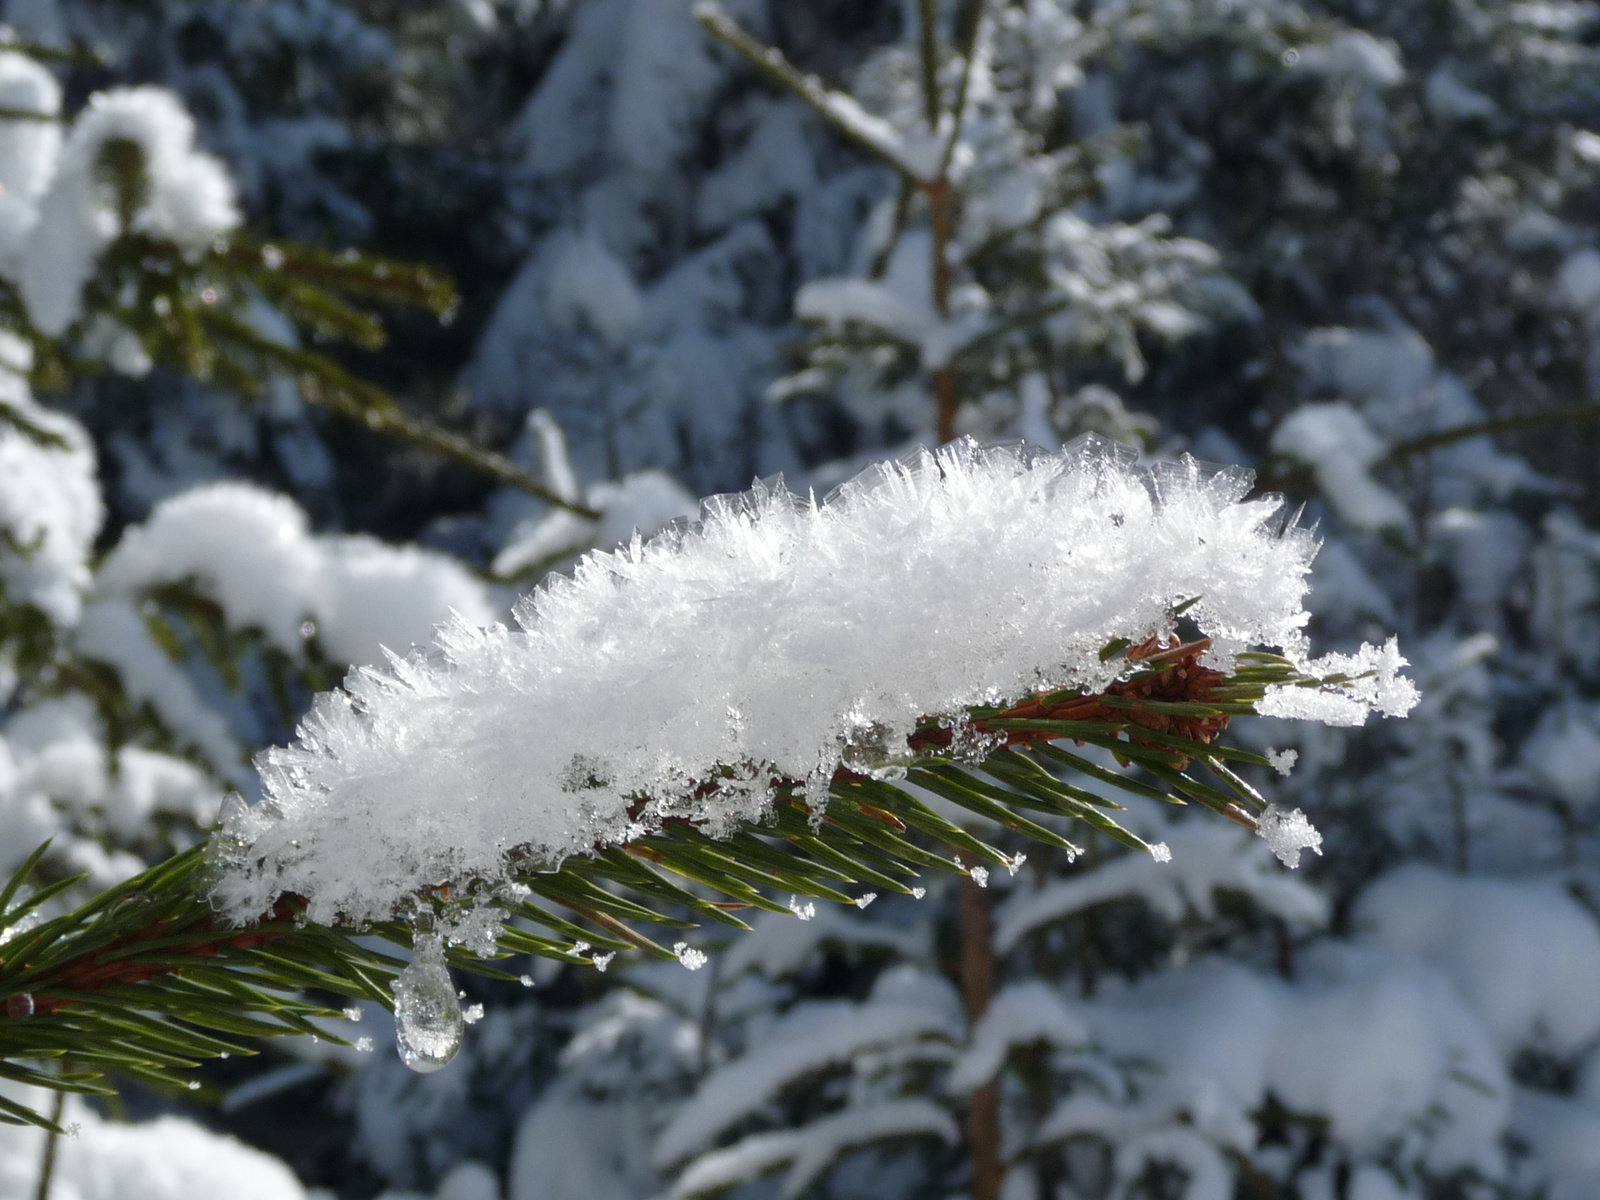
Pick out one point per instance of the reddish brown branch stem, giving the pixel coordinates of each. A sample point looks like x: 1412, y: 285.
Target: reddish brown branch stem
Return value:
x: 96, y: 969
x: 1183, y: 679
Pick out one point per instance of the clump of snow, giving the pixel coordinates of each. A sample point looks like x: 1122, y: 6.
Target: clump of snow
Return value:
x: 50, y: 506
x: 165, y: 1159
x: 778, y: 947
x: 28, y: 151
x: 1380, y: 1044
x: 187, y: 197
x: 1451, y: 100
x: 811, y: 1038
x: 1524, y: 955
x: 815, y: 622
x: 590, y: 288
x: 1577, y: 283
x: 1340, y: 448
x: 1020, y: 1014
x: 115, y: 632
x: 643, y: 502
x: 900, y: 305
x: 1288, y: 833
x: 1356, y: 54
x: 1283, y: 760
x: 1370, y: 682
x: 1563, y: 754
x: 1377, y: 1046
x: 58, y: 781
x: 253, y: 552
x: 691, y: 958
x: 813, y: 1148
x: 1206, y: 857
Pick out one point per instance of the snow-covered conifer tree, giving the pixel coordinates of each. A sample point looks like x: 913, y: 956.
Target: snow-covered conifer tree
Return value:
x: 1346, y: 244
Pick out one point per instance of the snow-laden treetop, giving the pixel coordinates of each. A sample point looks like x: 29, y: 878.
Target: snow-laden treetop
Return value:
x: 775, y: 639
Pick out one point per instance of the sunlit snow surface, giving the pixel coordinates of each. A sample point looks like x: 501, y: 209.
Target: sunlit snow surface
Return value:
x: 779, y: 636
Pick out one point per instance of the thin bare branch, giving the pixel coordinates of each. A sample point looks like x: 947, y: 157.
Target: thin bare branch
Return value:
x: 870, y: 133
x: 327, y: 385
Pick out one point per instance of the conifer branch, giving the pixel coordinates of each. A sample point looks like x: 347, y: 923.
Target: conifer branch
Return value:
x: 145, y: 982
x: 1302, y: 477
x: 326, y: 384
x: 1412, y: 447
x: 190, y: 311
x: 836, y: 108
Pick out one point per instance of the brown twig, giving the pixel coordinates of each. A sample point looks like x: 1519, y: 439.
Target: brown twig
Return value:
x: 119, y: 961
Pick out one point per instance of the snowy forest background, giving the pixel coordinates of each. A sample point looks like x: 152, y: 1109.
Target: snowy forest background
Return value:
x: 1353, y: 245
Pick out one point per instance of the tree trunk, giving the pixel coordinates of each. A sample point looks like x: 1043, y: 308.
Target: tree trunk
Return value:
x: 977, y: 985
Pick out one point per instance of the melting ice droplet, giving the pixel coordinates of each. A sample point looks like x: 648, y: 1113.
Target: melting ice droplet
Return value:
x: 427, y: 1014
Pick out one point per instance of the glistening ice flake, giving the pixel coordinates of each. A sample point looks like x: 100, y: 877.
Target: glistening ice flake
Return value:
x: 971, y: 576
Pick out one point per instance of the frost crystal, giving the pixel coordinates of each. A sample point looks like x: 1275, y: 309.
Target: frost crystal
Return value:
x: 863, y: 901
x: 804, y: 911
x: 472, y: 1014
x: 1161, y: 852
x: 689, y: 956
x: 1283, y: 760
x: 980, y: 876
x: 917, y: 893
x: 1372, y: 682
x: 1288, y: 833
x: 602, y: 961
x: 811, y: 620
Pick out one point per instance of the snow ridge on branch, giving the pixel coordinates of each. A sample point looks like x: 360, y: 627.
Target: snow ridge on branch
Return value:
x: 775, y: 640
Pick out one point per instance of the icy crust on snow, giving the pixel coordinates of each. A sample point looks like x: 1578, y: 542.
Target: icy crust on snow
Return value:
x: 778, y: 637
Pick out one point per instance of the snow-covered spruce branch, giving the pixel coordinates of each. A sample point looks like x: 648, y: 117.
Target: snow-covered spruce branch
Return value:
x: 154, y: 269
x: 788, y: 700
x: 144, y: 982
x: 713, y: 671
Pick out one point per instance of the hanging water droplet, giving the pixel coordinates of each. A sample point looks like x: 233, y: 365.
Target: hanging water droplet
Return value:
x: 427, y: 1014
x: 19, y: 1006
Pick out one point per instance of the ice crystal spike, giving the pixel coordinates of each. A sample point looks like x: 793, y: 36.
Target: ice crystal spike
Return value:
x: 427, y: 1015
